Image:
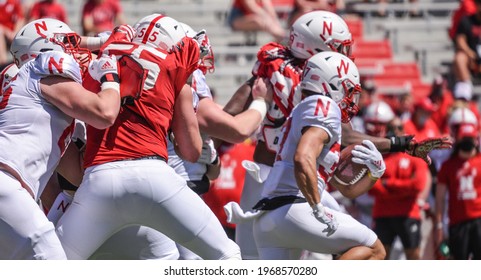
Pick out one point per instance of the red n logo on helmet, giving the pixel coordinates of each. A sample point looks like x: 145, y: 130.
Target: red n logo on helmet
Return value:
x: 343, y: 68
x: 39, y: 26
x: 327, y: 26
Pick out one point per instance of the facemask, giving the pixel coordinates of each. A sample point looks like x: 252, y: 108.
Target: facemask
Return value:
x: 466, y: 144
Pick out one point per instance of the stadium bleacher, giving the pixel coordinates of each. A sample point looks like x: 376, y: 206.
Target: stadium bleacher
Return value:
x: 400, y: 53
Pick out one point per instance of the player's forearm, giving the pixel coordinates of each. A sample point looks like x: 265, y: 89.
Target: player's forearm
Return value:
x: 306, y: 178
x: 350, y: 136
x: 241, y: 99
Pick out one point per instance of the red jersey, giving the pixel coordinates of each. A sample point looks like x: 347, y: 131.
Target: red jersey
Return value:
x: 11, y: 11
x: 405, y: 178
x: 103, y: 14
x: 463, y: 181
x: 228, y: 187
x: 141, y: 128
x: 466, y: 8
x: 48, y: 9
x: 429, y: 130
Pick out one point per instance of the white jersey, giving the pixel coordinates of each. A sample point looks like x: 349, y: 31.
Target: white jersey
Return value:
x: 33, y: 132
x: 317, y: 111
x: 191, y: 171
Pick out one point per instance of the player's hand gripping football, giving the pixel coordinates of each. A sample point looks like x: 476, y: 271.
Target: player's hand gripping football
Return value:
x: 325, y: 217
x: 422, y: 148
x: 368, y: 155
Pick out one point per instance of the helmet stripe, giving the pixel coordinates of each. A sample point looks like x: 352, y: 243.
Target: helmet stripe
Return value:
x: 149, y: 29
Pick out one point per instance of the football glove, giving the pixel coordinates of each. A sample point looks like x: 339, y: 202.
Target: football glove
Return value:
x: 422, y: 148
x: 368, y: 155
x: 325, y: 217
x: 104, y: 69
x: 209, y: 153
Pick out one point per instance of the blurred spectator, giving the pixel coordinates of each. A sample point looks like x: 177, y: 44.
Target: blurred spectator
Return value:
x: 101, y: 15
x: 228, y: 186
x: 420, y: 124
x: 400, y: 103
x: 383, y: 4
x: 399, y: 198
x: 256, y: 15
x: 303, y: 6
x: 466, y: 7
x: 443, y: 99
x: 47, y: 9
x: 467, y: 57
x: 11, y: 20
x: 460, y: 180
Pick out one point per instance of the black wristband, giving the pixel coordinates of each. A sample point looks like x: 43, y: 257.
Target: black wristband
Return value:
x: 400, y: 143
x: 216, y: 160
x: 110, y: 77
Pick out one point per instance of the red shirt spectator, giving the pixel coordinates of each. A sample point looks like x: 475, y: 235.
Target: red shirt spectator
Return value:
x: 12, y: 12
x: 466, y: 7
x: 421, y: 125
x: 11, y: 20
x: 463, y: 182
x: 228, y: 186
x: 397, y: 192
x: 48, y: 9
x: 101, y: 15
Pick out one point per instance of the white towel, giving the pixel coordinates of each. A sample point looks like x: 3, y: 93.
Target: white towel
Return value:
x: 253, y: 169
x: 235, y: 214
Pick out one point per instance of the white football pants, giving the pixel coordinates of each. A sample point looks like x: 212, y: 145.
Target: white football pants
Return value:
x: 146, y: 192
x: 25, y: 231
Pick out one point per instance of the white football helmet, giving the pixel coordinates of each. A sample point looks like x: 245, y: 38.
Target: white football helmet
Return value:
x: 189, y: 32
x: 46, y: 35
x: 335, y: 75
x: 319, y: 31
x: 378, y: 115
x: 158, y: 31
x: 461, y: 117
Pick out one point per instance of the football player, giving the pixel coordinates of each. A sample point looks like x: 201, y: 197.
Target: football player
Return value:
x: 37, y: 112
x: 145, y: 190
x: 291, y: 215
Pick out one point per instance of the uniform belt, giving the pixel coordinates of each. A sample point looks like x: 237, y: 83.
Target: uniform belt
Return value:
x: 276, y: 202
x: 150, y: 157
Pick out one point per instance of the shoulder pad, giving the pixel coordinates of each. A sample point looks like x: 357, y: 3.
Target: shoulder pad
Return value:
x: 57, y: 63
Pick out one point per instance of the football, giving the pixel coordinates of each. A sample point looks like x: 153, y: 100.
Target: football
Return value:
x: 349, y: 172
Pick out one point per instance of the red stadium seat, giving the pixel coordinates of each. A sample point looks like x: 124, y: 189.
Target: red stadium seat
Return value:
x: 356, y: 27
x: 376, y: 50
x: 399, y: 71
